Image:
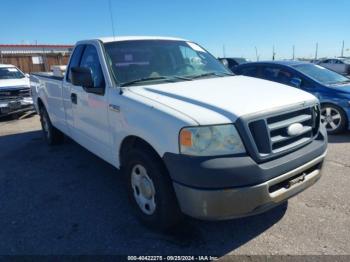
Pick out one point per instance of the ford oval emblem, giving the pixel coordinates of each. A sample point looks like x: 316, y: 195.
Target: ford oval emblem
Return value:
x: 295, y: 129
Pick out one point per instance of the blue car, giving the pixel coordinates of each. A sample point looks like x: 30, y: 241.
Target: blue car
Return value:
x: 332, y: 89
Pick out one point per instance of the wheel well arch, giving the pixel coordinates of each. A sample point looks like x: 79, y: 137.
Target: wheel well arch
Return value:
x: 131, y: 142
x: 40, y: 103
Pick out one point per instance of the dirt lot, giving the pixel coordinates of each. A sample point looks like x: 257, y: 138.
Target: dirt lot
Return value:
x: 64, y: 200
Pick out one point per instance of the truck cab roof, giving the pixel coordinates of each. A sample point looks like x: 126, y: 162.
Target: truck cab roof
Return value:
x: 129, y: 38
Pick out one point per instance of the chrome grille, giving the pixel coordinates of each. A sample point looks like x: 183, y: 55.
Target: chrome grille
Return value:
x: 270, y: 133
x: 13, y: 94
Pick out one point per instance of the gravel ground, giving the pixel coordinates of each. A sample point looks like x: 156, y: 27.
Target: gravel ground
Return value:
x: 65, y: 200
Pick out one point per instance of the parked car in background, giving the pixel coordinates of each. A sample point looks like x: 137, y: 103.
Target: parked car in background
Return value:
x: 339, y: 65
x: 314, y: 61
x: 186, y: 132
x: 14, y: 91
x: 232, y: 62
x: 331, y: 88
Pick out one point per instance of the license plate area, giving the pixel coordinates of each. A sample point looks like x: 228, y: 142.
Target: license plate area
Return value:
x: 294, y: 180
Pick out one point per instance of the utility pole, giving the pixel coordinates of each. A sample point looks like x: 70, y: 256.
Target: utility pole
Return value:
x: 316, y: 52
x: 342, y: 49
x: 256, y: 54
x: 293, y: 52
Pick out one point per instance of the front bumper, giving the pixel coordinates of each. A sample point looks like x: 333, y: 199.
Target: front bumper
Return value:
x: 8, y: 107
x: 235, y: 186
x: 245, y: 201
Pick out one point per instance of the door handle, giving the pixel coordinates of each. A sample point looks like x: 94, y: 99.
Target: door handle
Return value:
x: 74, y: 98
x: 114, y: 108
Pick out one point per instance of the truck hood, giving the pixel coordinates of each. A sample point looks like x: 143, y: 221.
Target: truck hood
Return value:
x: 13, y: 83
x: 224, y: 99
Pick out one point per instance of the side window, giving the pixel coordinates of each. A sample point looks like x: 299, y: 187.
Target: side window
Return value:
x: 249, y: 71
x: 90, y: 59
x: 277, y: 74
x: 306, y: 83
x: 339, y: 62
x: 75, y: 60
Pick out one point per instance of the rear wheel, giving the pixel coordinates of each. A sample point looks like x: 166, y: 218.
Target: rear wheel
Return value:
x: 150, y: 190
x: 51, y: 134
x: 333, y: 118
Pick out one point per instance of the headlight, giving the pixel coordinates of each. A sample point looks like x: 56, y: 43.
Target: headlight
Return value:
x: 210, y: 140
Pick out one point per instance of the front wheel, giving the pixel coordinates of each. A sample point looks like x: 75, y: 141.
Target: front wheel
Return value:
x: 150, y: 190
x: 333, y: 118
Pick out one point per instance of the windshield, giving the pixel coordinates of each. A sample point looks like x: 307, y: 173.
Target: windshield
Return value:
x: 150, y: 61
x: 321, y: 74
x: 10, y: 73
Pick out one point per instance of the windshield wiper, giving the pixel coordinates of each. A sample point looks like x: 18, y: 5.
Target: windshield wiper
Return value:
x: 211, y: 74
x: 144, y: 79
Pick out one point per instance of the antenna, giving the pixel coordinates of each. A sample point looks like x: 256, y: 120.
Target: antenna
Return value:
x: 342, y: 49
x: 293, y: 52
x: 316, y: 52
x: 223, y: 51
x: 111, y: 14
x: 273, y: 52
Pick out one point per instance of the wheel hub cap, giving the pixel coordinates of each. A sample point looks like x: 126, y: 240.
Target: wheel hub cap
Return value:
x: 143, y: 189
x: 330, y: 118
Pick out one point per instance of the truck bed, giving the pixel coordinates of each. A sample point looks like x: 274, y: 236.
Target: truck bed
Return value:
x: 48, y: 75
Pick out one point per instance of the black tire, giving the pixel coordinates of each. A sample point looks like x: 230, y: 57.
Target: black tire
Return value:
x: 51, y: 134
x: 334, y: 118
x: 167, y: 213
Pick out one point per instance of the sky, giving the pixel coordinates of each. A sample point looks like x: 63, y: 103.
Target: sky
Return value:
x: 236, y: 26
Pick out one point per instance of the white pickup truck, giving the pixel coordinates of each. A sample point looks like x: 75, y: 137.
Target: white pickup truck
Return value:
x: 14, y: 91
x: 190, y: 137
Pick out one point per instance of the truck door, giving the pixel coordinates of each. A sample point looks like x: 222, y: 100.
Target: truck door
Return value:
x: 90, y: 109
x: 66, y: 90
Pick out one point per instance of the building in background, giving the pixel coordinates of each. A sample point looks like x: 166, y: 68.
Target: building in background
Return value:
x: 34, y: 58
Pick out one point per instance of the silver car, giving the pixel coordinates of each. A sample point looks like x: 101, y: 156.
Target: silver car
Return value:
x: 339, y: 65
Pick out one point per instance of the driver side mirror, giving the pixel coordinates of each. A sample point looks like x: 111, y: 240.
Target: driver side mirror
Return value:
x: 296, y: 82
x: 82, y: 76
